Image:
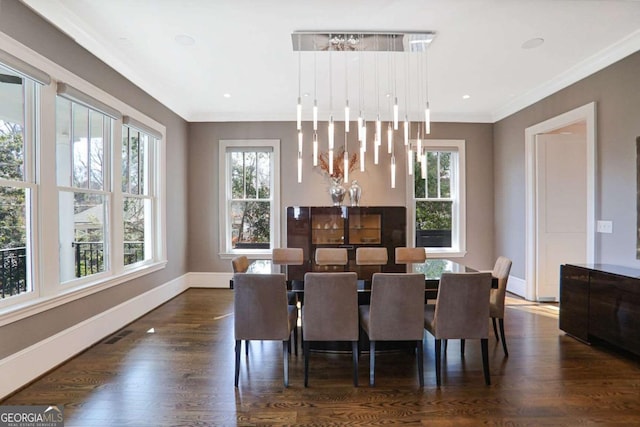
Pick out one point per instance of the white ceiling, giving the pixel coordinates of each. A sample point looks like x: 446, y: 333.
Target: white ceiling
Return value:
x: 244, y: 48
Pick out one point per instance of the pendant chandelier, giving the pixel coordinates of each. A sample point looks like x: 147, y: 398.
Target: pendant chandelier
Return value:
x: 374, y: 61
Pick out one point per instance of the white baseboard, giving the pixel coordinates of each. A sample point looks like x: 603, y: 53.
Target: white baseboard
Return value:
x: 26, y: 365
x: 517, y: 286
x: 209, y: 280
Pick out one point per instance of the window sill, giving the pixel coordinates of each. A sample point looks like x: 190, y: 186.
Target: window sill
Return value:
x: 35, y: 305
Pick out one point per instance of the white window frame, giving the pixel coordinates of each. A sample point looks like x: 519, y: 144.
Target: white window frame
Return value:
x: 225, y: 250
x: 458, y: 193
x: 28, y: 183
x: 150, y: 159
x: 48, y: 291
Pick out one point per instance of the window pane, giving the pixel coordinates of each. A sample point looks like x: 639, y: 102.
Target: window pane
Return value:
x: 125, y: 158
x: 142, y: 161
x: 80, y: 146
x: 13, y: 241
x: 264, y: 175
x: 432, y: 174
x: 445, y: 174
x: 12, y: 109
x: 250, y: 225
x: 134, y: 172
x: 237, y: 175
x: 63, y: 141
x: 433, y: 223
x: 82, y: 234
x: 250, y: 175
x: 419, y: 183
x: 134, y: 230
x: 96, y: 151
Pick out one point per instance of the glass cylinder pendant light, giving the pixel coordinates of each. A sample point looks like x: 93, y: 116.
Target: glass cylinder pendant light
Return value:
x: 410, y: 159
x: 331, y: 134
x: 389, y: 138
x: 315, y: 148
x: 406, y: 130
x: 299, y: 156
x: 346, y: 160
x: 423, y: 165
x: 393, y: 171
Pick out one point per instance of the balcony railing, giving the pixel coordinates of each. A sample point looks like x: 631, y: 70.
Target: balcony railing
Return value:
x: 89, y: 259
x: 90, y: 256
x: 13, y: 271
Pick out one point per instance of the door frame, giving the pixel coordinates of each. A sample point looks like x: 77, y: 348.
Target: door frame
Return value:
x: 586, y: 113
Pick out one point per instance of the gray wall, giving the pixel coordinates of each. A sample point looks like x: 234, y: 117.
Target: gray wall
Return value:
x: 616, y: 91
x: 20, y: 23
x: 204, y: 183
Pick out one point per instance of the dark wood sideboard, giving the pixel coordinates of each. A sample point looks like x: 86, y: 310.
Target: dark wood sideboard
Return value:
x: 601, y: 302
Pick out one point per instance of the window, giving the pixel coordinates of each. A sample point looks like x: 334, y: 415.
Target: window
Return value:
x: 17, y: 186
x: 250, y: 201
x: 83, y: 144
x: 138, y: 152
x: 437, y: 187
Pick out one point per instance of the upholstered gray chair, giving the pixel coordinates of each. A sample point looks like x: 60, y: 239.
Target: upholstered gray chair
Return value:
x: 460, y: 312
x: 330, y: 313
x: 285, y: 257
x: 261, y: 312
x: 406, y: 255
x: 396, y: 313
x: 240, y: 264
x: 332, y: 256
x: 371, y: 256
x: 501, y: 271
x: 369, y: 260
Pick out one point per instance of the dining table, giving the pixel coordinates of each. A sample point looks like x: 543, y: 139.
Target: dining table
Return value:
x: 432, y: 268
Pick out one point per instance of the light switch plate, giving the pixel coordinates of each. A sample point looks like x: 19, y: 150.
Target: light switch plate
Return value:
x: 605, y: 226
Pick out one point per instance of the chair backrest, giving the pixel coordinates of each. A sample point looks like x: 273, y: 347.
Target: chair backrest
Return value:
x: 260, y: 307
x: 330, y: 311
x: 462, y: 308
x: 240, y: 264
x: 410, y: 255
x: 397, y: 307
x: 501, y: 270
x: 331, y: 256
x: 287, y: 256
x: 371, y: 256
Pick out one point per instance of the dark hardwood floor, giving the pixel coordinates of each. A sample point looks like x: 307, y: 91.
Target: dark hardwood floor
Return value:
x: 181, y: 374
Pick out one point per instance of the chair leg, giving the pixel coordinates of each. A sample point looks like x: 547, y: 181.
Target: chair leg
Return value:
x: 246, y: 348
x: 462, y: 347
x: 495, y: 329
x: 286, y: 350
x: 372, y: 362
x: 354, y: 354
x: 485, y: 360
x: 438, y: 354
x: 446, y: 342
x: 238, y: 351
x: 305, y: 346
x: 420, y: 363
x: 504, y: 341
x: 295, y: 340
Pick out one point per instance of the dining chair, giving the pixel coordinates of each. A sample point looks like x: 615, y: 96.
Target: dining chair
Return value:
x: 460, y: 312
x: 501, y: 271
x: 332, y: 256
x: 396, y: 313
x: 285, y: 257
x: 240, y: 264
x: 405, y: 255
x: 369, y: 261
x: 330, y: 313
x: 261, y: 312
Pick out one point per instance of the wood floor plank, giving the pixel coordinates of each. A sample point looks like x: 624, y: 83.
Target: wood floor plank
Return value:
x: 181, y: 374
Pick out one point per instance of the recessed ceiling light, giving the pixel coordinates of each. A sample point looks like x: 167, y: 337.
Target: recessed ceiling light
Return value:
x: 185, y: 40
x: 466, y: 96
x: 227, y: 95
x: 533, y: 43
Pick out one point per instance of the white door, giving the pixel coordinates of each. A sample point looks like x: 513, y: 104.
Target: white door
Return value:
x: 561, y: 171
